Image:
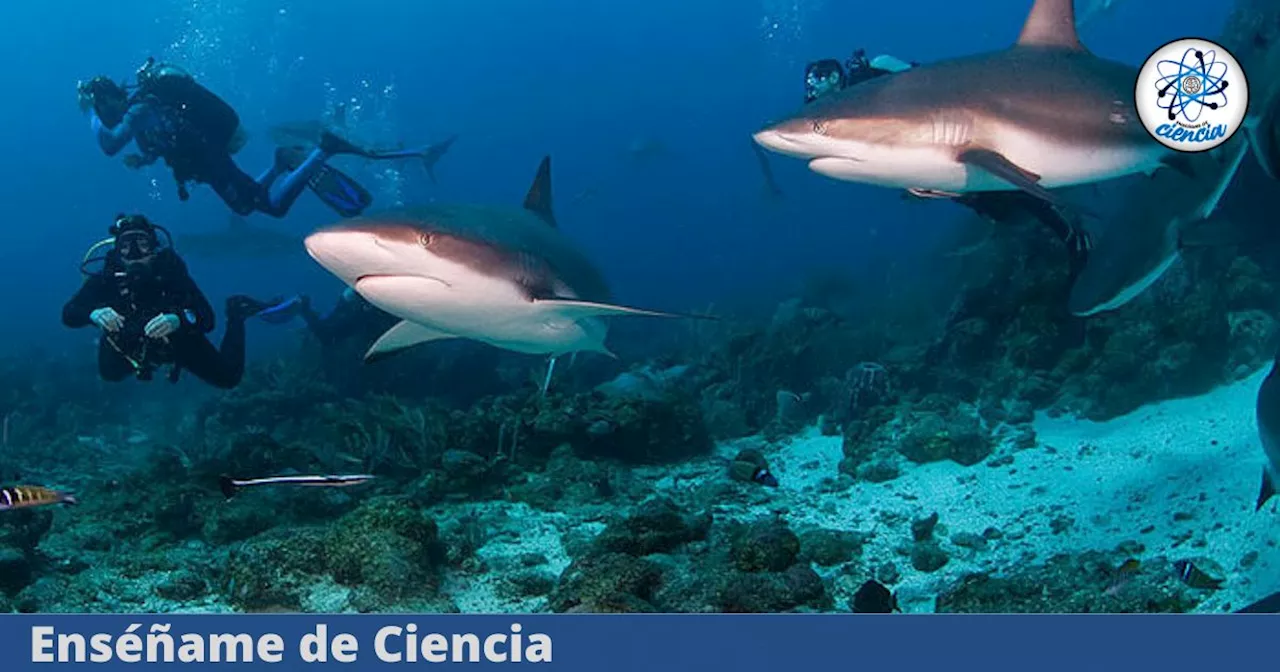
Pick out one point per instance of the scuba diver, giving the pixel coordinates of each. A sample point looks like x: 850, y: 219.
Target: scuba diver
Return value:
x: 152, y: 313
x: 170, y: 116
x: 351, y: 317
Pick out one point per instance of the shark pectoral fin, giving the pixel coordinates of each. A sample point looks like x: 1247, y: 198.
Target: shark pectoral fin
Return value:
x: 404, y: 335
x: 1268, y: 490
x: 576, y: 310
x: 996, y: 164
x: 930, y: 193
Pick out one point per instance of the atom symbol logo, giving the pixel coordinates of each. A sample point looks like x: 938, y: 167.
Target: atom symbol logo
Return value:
x: 1194, y: 84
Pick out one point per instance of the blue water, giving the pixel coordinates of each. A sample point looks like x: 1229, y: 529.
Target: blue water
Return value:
x: 580, y: 80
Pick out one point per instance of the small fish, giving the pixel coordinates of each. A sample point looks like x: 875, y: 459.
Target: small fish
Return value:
x: 874, y: 598
x: 26, y: 496
x: 1192, y: 575
x: 231, y: 485
x: 1123, y: 574
x: 764, y: 477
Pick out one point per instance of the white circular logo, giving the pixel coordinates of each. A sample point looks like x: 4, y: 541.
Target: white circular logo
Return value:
x: 1192, y: 95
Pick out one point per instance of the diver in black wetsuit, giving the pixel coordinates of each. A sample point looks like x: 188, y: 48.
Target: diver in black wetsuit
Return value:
x: 152, y: 313
x: 351, y: 318
x: 171, y: 116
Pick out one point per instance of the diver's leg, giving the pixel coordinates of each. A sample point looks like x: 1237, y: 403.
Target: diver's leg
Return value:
x: 196, y: 354
x: 282, y: 193
x: 235, y: 187
x: 222, y: 366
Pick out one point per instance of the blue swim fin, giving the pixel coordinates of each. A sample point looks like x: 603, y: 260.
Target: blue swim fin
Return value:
x: 335, y: 188
x: 282, y: 311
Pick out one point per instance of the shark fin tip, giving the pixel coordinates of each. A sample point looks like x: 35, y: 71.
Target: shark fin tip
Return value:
x: 538, y: 200
x: 1051, y: 23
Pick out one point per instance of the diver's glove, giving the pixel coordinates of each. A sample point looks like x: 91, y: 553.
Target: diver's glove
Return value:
x: 107, y: 319
x: 161, y: 326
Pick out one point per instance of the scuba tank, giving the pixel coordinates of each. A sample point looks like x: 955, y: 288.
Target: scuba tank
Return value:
x: 203, y: 117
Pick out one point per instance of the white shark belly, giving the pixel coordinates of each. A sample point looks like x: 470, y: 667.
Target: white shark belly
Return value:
x: 1060, y: 164
x: 937, y: 167
x: 476, y: 307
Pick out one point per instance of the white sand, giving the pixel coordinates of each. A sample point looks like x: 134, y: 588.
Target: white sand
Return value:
x: 1114, y: 479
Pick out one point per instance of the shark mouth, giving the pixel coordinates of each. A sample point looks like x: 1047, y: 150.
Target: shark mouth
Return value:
x: 376, y: 276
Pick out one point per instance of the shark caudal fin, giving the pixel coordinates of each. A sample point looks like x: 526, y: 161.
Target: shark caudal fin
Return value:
x: 228, y: 486
x: 538, y: 200
x: 1051, y: 23
x: 431, y: 155
x: 1261, y: 130
x: 1267, y: 491
x: 403, y: 335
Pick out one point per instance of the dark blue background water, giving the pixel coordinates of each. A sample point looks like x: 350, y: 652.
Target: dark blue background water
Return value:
x: 582, y: 80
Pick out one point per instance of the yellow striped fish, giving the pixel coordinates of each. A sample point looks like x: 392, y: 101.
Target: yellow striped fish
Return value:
x: 26, y: 496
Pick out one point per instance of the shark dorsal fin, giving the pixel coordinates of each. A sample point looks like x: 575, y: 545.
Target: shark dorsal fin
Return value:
x: 538, y: 200
x: 1051, y: 23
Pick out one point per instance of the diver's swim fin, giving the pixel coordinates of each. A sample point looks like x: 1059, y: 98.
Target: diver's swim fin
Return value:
x: 338, y: 190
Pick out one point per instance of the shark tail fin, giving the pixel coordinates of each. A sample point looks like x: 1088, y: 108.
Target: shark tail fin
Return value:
x: 538, y: 200
x: 431, y: 155
x: 1267, y: 491
x: 228, y: 486
x: 1051, y: 23
x: 1262, y: 132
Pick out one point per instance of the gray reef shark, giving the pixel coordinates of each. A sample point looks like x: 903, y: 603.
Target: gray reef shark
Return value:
x: 307, y: 133
x: 1163, y: 212
x: 1041, y: 114
x: 240, y: 240
x: 503, y: 276
x: 1268, y: 416
x: 1143, y: 239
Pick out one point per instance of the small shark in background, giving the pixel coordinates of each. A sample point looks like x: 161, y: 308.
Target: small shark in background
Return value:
x: 1087, y: 11
x: 1041, y: 114
x: 503, y: 276
x: 240, y: 240
x: 308, y: 133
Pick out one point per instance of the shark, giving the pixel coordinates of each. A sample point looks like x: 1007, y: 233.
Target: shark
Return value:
x: 1168, y: 211
x: 1268, y: 420
x: 307, y: 133
x: 1144, y: 238
x: 504, y: 276
x: 240, y: 240
x: 1041, y: 114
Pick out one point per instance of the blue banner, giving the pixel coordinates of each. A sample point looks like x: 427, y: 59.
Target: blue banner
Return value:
x: 661, y: 643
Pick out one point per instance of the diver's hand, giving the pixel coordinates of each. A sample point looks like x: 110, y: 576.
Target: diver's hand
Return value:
x: 161, y: 326
x: 107, y: 319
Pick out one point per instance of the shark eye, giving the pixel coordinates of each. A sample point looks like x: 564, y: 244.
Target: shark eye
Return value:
x: 819, y: 127
x: 424, y: 239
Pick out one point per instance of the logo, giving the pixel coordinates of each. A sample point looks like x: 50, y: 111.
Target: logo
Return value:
x: 1192, y: 95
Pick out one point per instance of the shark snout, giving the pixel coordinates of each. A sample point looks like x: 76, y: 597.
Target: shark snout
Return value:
x: 793, y: 138
x: 350, y: 254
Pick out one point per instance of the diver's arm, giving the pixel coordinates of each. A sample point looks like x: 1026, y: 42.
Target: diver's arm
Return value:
x: 112, y: 140
x: 90, y: 297
x: 193, y: 301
